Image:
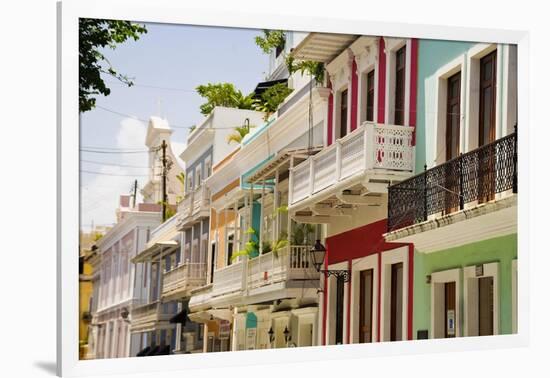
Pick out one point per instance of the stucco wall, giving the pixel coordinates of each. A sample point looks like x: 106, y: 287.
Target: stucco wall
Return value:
x: 432, y: 55
x: 502, y: 250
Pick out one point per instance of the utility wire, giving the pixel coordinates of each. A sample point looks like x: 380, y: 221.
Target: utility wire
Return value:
x: 109, y: 174
x: 147, y: 121
x: 111, y: 164
x: 114, y: 152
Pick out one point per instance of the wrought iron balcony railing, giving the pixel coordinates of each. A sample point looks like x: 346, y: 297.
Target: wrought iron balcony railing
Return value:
x: 476, y: 176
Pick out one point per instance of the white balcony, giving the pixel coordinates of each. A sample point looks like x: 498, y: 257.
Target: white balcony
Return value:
x: 179, y: 281
x: 194, y: 206
x: 289, y: 263
x: 371, y: 156
x: 146, y: 317
x: 229, y: 279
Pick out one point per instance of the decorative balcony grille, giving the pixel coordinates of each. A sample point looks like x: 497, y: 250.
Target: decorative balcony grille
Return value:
x: 372, y: 147
x: 185, y: 275
x: 474, y: 176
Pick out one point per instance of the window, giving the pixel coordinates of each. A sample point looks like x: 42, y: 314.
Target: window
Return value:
x: 229, y: 248
x: 370, y: 96
x: 343, y: 113
x: 453, y: 116
x: 399, y: 98
x: 207, y: 167
x: 452, y: 141
x: 212, y: 262
x: 487, y: 98
x: 198, y: 181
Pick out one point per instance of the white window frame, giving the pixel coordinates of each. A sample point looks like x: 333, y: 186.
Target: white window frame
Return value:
x: 438, y: 279
x: 358, y: 265
x: 366, y: 54
x: 398, y: 255
x: 441, y: 76
x: 392, y: 45
x: 339, y: 71
x: 474, y: 55
x: 470, y: 295
x: 331, y: 306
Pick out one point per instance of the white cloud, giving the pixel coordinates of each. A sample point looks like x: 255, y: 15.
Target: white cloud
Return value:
x: 100, y: 193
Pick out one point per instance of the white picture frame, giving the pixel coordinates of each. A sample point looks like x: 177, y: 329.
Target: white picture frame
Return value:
x: 68, y: 363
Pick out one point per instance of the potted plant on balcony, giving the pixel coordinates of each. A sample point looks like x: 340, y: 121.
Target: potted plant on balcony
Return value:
x: 271, y: 98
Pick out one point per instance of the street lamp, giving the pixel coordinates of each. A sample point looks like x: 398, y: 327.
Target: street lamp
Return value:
x: 286, y: 332
x: 247, y: 125
x: 317, y: 254
x: 271, y: 334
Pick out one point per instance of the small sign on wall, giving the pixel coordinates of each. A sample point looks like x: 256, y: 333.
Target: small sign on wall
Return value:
x: 451, y: 325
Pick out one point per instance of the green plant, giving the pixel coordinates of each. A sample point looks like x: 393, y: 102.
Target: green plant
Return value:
x: 271, y: 98
x: 315, y: 69
x: 238, y: 134
x: 303, y: 234
x: 223, y: 94
x: 192, y: 128
x: 181, y: 178
x: 94, y: 35
x: 251, y: 248
x: 272, y: 39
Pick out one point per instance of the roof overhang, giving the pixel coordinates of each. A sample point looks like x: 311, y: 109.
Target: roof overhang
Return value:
x: 153, y: 249
x: 281, y: 162
x: 322, y: 47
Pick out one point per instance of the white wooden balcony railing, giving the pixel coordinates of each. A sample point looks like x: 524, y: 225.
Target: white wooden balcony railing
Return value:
x: 185, y: 206
x: 370, y: 148
x: 288, y: 263
x: 228, y: 279
x: 164, y: 227
x: 184, y: 277
x: 201, y: 199
x: 193, y: 204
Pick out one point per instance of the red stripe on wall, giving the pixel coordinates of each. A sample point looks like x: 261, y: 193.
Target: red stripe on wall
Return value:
x: 379, y: 306
x: 410, y: 301
x: 381, y: 80
x: 325, y: 297
x: 354, y: 85
x: 349, y: 304
x: 413, y: 87
x: 329, y: 115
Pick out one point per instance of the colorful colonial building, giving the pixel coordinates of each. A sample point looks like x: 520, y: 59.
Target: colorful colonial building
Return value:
x: 460, y: 211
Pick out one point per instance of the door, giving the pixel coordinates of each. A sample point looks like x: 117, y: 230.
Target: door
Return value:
x: 370, y: 96
x: 487, y: 126
x: 306, y: 335
x: 450, y: 309
x: 399, y: 106
x: 396, y: 302
x: 485, y: 312
x: 452, y: 143
x: 339, y: 339
x: 343, y: 113
x: 366, y: 306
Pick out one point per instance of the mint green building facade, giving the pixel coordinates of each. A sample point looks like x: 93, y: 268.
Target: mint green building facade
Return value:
x: 501, y: 249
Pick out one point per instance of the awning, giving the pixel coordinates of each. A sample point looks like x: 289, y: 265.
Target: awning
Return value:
x: 322, y: 47
x: 180, y: 317
x: 263, y: 86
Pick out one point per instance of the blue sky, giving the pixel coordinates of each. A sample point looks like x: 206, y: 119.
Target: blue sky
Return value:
x: 174, y: 57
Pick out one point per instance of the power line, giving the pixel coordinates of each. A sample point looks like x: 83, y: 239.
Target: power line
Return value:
x: 153, y: 87
x: 101, y: 148
x: 114, y: 152
x: 109, y: 174
x: 111, y: 164
x: 147, y: 121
